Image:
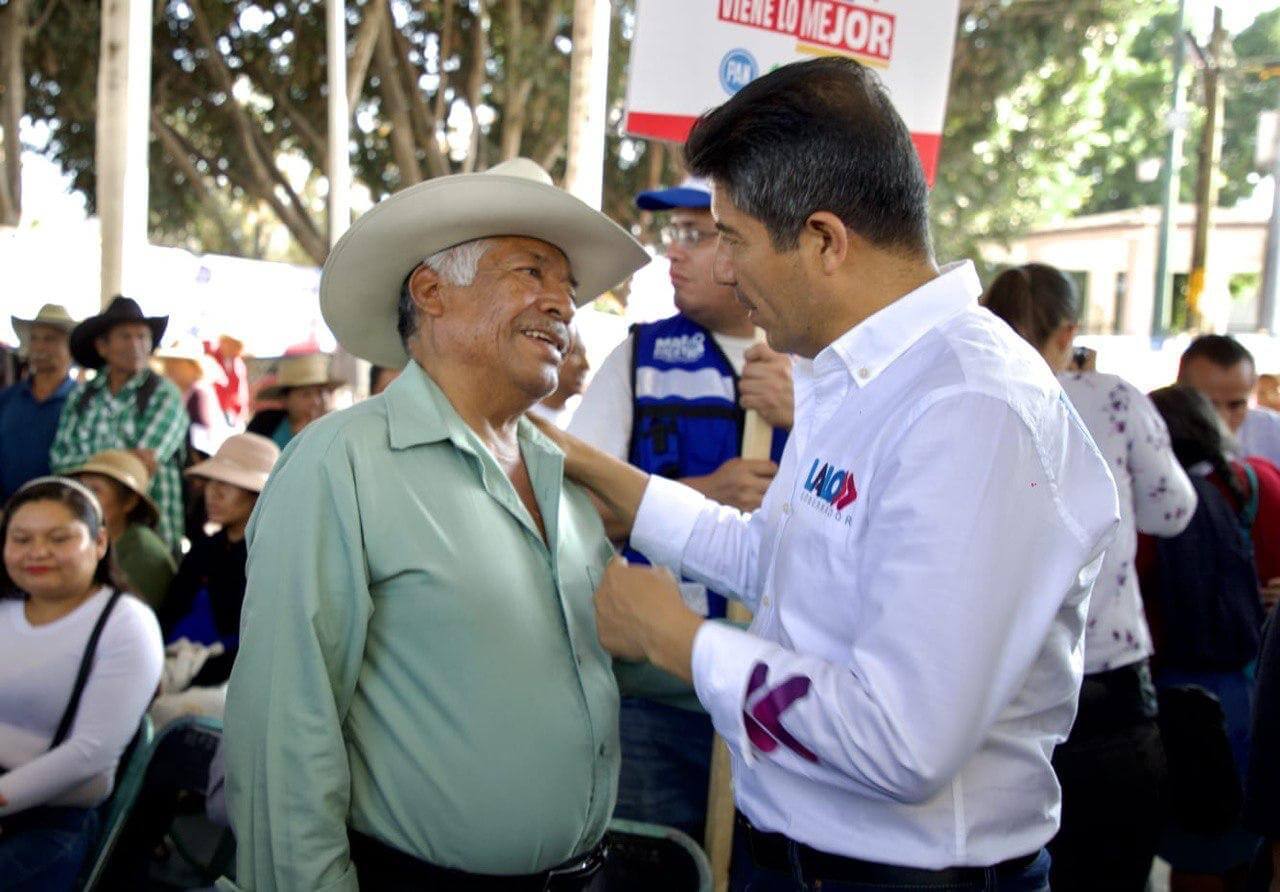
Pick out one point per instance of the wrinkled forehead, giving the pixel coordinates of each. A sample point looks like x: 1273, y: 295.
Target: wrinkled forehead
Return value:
x: 45, y: 331
x: 519, y: 247
x: 1214, y: 379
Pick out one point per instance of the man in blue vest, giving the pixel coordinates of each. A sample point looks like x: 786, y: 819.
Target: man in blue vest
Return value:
x: 671, y: 400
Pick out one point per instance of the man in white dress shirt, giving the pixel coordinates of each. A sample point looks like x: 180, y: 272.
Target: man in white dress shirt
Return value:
x: 1223, y: 370
x: 921, y: 565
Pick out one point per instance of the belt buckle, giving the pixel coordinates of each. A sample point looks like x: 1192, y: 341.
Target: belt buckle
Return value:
x: 579, y: 866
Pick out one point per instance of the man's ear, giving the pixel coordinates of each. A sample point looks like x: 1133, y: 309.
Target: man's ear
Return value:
x: 826, y: 239
x: 424, y: 288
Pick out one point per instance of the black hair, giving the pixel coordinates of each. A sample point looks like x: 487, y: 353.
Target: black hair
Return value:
x: 1197, y: 433
x: 1035, y: 299
x: 1220, y: 350
x: 814, y: 136
x: 77, y: 499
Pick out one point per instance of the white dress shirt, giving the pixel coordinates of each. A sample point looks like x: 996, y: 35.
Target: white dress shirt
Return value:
x: 1156, y: 498
x: 919, y: 572
x: 1260, y: 434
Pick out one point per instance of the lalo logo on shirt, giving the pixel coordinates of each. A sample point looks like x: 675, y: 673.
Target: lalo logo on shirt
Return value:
x: 831, y: 484
x: 680, y: 348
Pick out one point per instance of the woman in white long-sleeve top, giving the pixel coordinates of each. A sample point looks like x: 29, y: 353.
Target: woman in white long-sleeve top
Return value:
x: 1111, y: 766
x: 58, y: 613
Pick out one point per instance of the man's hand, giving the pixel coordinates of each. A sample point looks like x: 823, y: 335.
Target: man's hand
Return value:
x: 1271, y: 593
x: 641, y: 616
x: 765, y: 386
x: 740, y: 482
x: 148, y: 458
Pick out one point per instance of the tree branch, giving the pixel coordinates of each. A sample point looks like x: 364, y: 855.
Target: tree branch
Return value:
x: 177, y: 154
x: 389, y: 83
x: 362, y: 55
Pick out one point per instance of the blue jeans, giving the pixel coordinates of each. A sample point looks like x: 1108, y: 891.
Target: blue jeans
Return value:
x: 666, y: 764
x: 1033, y: 878
x: 43, y: 849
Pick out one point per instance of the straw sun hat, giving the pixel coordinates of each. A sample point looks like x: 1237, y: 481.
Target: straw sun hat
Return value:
x: 244, y: 460
x: 360, y: 286
x: 126, y: 469
x: 306, y: 370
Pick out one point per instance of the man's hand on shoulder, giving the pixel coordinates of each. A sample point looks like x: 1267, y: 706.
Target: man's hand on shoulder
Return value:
x: 740, y: 482
x: 641, y: 616
x: 765, y: 386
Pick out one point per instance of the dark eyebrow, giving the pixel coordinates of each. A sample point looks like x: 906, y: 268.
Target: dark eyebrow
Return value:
x: 544, y: 260
x: 725, y: 228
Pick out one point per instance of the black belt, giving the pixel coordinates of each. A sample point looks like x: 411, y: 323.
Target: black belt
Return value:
x: 380, y: 866
x: 772, y: 851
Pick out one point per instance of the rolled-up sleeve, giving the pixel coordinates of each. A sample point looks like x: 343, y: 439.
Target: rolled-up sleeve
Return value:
x: 302, y: 640
x: 961, y: 578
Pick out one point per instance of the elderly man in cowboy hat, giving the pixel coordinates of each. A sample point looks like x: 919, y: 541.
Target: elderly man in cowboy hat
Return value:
x: 29, y: 410
x: 420, y: 699
x: 127, y: 406
x: 304, y: 385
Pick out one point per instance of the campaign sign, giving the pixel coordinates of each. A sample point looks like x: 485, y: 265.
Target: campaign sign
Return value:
x: 688, y: 56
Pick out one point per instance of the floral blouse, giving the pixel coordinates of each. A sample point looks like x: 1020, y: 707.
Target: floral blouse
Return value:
x: 1155, y: 498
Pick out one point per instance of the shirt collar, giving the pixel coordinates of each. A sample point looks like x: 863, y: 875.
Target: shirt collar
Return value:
x: 872, y: 345
x: 67, y: 385
x: 418, y: 412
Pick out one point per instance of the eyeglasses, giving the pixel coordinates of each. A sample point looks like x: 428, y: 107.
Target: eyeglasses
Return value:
x: 684, y: 235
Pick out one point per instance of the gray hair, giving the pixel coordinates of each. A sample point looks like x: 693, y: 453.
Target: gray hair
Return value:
x: 456, y: 265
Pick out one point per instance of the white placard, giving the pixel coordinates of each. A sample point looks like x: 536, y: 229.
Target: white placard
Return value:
x: 691, y: 55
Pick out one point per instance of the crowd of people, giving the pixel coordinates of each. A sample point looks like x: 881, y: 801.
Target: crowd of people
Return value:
x: 1011, y: 614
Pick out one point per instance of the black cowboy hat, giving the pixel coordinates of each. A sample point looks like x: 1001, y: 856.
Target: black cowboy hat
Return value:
x: 121, y: 310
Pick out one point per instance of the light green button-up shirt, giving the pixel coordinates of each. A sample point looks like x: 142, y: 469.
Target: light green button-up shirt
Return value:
x: 414, y: 660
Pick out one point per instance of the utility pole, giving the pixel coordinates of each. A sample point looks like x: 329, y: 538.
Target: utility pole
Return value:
x: 1169, y: 178
x: 588, y: 100
x: 1207, y: 179
x: 124, y: 129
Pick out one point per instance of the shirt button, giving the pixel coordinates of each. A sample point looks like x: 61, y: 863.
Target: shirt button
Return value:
x: 864, y: 373
x: 765, y: 600
x: 786, y: 507
x: 601, y: 750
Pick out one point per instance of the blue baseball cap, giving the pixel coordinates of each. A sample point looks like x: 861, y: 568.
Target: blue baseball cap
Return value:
x: 693, y: 194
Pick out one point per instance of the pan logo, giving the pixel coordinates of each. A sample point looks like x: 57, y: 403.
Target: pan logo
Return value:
x: 737, y: 69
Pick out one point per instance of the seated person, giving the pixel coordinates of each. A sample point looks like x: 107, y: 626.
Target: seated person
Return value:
x: 205, y: 599
x: 58, y: 754
x: 141, y: 562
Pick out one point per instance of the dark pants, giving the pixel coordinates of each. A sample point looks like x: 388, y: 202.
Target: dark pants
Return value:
x: 666, y: 765
x: 43, y: 849
x: 1032, y: 878
x: 1111, y: 770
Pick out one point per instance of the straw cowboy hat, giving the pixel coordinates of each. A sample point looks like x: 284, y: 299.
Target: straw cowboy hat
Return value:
x: 120, y: 311
x: 52, y: 315
x: 300, y: 371
x: 126, y: 469
x: 192, y: 351
x: 360, y: 285
x: 244, y: 460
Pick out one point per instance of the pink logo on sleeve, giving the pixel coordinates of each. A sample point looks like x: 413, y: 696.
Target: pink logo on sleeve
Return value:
x: 764, y: 709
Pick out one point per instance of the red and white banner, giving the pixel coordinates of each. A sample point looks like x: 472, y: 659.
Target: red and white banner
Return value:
x: 688, y: 56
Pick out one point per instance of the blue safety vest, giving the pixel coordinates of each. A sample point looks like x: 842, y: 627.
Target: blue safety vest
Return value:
x: 686, y: 421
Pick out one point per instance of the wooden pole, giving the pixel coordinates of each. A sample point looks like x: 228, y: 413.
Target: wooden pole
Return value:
x: 124, y: 129
x: 339, y: 107
x: 757, y: 442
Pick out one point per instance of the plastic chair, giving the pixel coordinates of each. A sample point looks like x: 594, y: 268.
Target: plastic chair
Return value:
x: 178, y: 759
x: 129, y: 775
x: 651, y: 856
